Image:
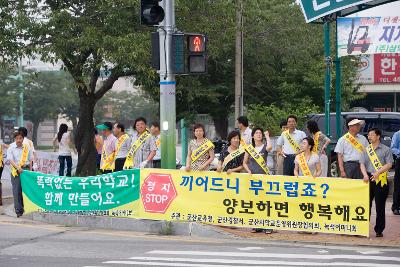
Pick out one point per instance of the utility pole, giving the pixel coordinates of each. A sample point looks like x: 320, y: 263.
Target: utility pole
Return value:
x: 21, y: 95
x: 327, y: 78
x: 167, y: 88
x: 239, y: 60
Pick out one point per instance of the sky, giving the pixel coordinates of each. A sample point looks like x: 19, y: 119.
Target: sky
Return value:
x: 391, y: 9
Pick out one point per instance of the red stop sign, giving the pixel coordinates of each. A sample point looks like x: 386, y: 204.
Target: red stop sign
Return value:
x: 157, y: 192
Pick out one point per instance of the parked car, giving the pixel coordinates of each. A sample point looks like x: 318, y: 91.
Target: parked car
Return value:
x: 387, y: 122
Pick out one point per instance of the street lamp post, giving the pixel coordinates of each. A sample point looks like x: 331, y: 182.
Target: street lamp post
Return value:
x: 20, y: 79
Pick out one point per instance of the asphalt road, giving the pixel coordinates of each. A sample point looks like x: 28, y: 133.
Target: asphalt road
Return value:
x: 27, y: 243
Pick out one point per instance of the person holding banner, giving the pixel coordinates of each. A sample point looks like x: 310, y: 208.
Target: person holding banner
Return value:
x: 200, y: 152
x: 307, y: 163
x: 349, y: 149
x: 143, y: 147
x: 376, y: 160
x: 20, y: 157
x: 121, y: 146
x: 288, y: 145
x: 255, y: 158
x: 321, y: 142
x: 108, y: 151
x: 156, y: 133
x: 231, y: 157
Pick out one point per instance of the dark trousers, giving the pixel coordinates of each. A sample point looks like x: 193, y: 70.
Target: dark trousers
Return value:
x: 396, y: 188
x: 17, y: 195
x: 353, y: 170
x: 1, y: 189
x: 106, y: 171
x: 119, y: 164
x: 288, y: 165
x: 157, y: 164
x: 62, y: 160
x: 380, y: 194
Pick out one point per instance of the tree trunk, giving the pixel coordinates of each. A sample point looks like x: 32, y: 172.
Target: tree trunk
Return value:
x: 84, y: 139
x: 221, y: 125
x: 35, y: 132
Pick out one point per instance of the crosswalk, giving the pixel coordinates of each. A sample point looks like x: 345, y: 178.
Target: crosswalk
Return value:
x: 244, y: 259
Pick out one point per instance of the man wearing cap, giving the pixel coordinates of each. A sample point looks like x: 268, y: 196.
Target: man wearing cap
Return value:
x: 108, y: 151
x: 121, y: 146
x: 349, y: 149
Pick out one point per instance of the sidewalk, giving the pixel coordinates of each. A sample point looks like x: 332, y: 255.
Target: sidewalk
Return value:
x: 391, y: 235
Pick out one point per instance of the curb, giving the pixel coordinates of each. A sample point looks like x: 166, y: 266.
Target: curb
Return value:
x: 128, y: 224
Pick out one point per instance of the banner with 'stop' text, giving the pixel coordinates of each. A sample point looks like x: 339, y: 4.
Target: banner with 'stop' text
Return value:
x: 327, y: 205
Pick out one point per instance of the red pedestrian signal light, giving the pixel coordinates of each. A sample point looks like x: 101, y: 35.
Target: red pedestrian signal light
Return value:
x: 197, y: 43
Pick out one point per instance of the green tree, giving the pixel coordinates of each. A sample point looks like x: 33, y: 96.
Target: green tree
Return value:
x: 43, y: 96
x: 89, y: 37
x: 8, y: 97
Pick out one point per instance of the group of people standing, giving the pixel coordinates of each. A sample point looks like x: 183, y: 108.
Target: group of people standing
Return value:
x: 118, y: 150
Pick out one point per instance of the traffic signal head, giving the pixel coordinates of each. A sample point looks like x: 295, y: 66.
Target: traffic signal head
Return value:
x: 151, y: 12
x: 197, y: 53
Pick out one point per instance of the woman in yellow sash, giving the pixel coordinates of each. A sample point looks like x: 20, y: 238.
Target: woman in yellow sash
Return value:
x: 307, y: 163
x: 200, y: 152
x: 321, y: 142
x: 249, y: 163
x: 231, y: 157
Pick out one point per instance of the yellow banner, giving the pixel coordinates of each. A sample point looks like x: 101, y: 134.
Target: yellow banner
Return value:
x: 107, y: 160
x: 256, y: 201
x: 373, y: 157
x: 1, y: 155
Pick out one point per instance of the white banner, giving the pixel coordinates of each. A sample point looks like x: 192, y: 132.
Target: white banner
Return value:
x: 47, y: 163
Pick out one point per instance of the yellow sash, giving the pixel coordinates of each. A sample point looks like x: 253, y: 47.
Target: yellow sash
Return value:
x: 232, y: 156
x: 133, y: 149
x: 24, y: 158
x: 120, y: 142
x: 291, y: 141
x: 201, y: 150
x: 373, y: 157
x: 158, y: 142
x: 354, y: 142
x: 108, y: 160
x: 305, y: 169
x: 257, y: 157
x: 1, y: 155
x: 316, y: 142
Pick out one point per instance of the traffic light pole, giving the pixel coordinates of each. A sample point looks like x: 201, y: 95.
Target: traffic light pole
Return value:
x: 21, y: 95
x: 167, y: 88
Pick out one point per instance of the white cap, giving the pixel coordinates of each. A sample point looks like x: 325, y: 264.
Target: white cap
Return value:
x: 355, y: 121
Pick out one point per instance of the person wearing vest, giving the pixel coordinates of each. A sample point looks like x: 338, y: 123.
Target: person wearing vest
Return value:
x: 288, y: 145
x: 395, y: 147
x: 108, y: 150
x: 20, y: 157
x: 308, y: 162
x: 376, y: 161
x: 156, y: 133
x: 121, y: 146
x: 143, y: 148
x: 200, y: 152
x: 231, y: 157
x: 321, y: 142
x: 245, y: 131
x: 349, y: 149
x: 255, y: 159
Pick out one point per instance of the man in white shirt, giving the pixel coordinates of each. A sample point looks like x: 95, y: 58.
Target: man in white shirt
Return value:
x: 245, y: 131
x: 155, y: 132
x: 27, y: 142
x: 20, y: 157
x: 348, y: 154
x: 287, y: 149
x: 122, y: 146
